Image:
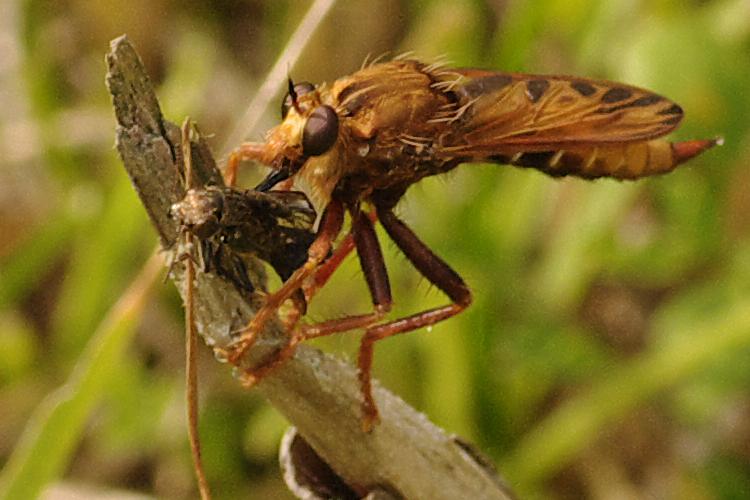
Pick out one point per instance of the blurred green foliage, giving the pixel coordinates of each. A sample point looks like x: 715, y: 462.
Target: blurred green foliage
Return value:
x: 608, y: 349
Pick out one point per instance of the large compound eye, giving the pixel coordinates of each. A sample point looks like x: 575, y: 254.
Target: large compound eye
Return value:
x: 301, y: 88
x: 320, y: 132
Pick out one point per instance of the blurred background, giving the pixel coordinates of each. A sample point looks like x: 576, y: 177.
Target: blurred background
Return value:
x: 607, y: 354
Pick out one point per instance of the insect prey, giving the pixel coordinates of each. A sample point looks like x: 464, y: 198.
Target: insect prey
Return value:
x: 225, y: 226
x: 362, y: 141
x: 276, y: 227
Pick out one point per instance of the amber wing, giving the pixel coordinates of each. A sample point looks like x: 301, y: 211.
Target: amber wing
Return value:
x: 563, y: 125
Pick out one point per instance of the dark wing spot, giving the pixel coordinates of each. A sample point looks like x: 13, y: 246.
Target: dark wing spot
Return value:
x: 640, y: 102
x: 583, y: 88
x: 535, y: 89
x: 647, y: 100
x: 674, y: 109
x: 672, y: 121
x: 484, y: 85
x: 616, y: 94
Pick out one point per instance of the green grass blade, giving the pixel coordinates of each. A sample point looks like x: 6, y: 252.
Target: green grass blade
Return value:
x: 575, y: 425
x: 55, y: 429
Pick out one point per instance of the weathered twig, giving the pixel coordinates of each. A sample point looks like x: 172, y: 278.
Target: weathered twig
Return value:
x: 406, y: 454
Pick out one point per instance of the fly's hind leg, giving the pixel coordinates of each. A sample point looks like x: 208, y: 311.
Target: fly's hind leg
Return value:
x: 371, y: 261
x: 439, y: 274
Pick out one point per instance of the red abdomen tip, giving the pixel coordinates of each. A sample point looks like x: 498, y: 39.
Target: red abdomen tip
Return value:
x: 685, y: 150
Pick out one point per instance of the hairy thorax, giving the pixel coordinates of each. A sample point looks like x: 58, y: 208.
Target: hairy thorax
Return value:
x: 388, y: 132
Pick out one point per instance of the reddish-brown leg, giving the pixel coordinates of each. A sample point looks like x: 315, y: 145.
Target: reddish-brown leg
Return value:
x: 322, y: 275
x: 327, y: 268
x: 246, y: 151
x: 311, y: 287
x: 373, y: 267
x: 330, y: 226
x: 230, y: 169
x: 439, y: 274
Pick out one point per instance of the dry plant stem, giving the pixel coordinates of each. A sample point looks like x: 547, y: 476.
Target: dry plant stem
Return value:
x: 191, y: 337
x: 405, y: 454
x: 191, y: 376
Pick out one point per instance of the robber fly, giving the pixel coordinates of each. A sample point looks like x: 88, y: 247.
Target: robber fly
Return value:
x: 361, y: 142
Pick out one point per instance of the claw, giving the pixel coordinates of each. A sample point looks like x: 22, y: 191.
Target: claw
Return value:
x: 238, y: 349
x: 370, y: 418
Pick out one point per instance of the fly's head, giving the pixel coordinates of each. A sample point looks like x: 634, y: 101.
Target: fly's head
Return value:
x: 309, y: 130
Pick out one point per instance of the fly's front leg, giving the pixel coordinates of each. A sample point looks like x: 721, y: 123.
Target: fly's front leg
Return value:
x: 247, y: 151
x: 324, y: 273
x: 310, y: 288
x: 330, y: 226
x: 373, y: 267
x: 439, y: 274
